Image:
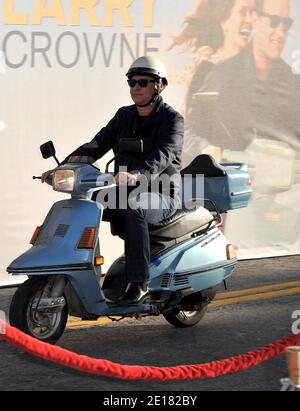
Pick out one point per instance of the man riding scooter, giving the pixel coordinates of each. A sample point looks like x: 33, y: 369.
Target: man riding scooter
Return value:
x: 161, y: 129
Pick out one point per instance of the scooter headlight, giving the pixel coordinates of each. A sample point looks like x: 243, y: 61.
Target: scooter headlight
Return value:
x: 64, y: 181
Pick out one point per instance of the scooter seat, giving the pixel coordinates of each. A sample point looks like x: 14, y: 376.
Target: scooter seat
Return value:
x: 184, y: 222
x: 205, y: 165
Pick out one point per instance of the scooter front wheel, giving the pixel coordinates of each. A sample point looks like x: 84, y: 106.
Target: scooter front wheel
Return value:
x: 183, y: 319
x: 47, y: 327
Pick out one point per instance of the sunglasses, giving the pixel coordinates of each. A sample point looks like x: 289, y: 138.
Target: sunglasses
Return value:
x: 275, y: 20
x: 142, y: 82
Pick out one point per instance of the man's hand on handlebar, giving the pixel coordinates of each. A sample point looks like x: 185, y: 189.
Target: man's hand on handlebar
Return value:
x: 46, y: 175
x: 123, y: 178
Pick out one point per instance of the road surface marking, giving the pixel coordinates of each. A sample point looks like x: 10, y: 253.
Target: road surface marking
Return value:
x: 255, y: 297
x: 237, y: 293
x: 74, y: 322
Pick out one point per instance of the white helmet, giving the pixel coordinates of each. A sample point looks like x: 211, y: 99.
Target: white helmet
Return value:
x: 147, y: 65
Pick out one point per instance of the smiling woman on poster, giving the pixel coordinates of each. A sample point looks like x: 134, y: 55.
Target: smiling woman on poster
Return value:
x: 217, y: 31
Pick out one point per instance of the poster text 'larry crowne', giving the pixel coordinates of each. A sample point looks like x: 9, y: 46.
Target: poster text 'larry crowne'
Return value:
x: 68, y: 49
x: 97, y: 13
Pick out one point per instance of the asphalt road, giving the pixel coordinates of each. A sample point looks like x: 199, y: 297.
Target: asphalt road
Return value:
x: 226, y: 330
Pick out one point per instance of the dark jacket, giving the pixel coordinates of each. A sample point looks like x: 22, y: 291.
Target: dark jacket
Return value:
x: 162, y: 134
x: 243, y: 106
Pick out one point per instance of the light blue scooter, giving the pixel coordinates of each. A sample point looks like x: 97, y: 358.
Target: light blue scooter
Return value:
x: 189, y: 257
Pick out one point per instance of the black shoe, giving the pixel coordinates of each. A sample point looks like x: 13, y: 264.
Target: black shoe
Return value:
x: 136, y: 293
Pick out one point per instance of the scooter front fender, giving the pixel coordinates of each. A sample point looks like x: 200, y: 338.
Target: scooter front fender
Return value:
x: 56, y: 248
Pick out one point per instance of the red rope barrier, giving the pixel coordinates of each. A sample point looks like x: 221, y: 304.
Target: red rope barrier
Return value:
x: 136, y: 372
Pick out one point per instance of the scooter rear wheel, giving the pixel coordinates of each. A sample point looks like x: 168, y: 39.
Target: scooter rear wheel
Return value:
x: 184, y: 319
x: 47, y: 327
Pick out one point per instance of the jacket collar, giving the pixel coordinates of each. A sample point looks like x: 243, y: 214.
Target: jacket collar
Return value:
x: 158, y: 108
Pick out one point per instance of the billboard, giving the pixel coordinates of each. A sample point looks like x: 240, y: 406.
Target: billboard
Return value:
x: 234, y: 72
x: 242, y: 105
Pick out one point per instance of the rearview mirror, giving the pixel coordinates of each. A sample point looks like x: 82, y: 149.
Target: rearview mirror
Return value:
x: 48, y: 150
x: 131, y: 146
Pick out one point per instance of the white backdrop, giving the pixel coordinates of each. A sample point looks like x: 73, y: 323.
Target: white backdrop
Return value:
x: 62, y: 78
x: 67, y: 105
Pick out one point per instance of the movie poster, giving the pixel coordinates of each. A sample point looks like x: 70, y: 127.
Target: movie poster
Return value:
x: 242, y: 105
x: 234, y: 73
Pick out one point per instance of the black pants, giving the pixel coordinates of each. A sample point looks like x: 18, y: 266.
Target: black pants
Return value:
x: 131, y: 224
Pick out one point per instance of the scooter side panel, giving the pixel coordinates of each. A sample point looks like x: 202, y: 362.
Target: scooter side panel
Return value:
x: 199, y: 264
x: 204, y: 280
x: 56, y: 246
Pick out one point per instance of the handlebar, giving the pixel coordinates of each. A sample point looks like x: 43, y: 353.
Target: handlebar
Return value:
x: 48, y: 179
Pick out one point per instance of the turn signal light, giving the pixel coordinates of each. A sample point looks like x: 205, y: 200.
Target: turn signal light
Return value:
x: 35, y: 235
x: 230, y: 252
x: 99, y: 261
x: 87, y: 239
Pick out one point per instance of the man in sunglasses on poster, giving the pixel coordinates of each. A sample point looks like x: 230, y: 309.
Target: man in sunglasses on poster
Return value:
x: 272, y: 23
x: 161, y: 129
